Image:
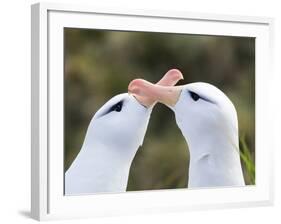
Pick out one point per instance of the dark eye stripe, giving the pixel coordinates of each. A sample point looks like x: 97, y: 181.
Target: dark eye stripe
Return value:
x: 117, y: 107
x: 196, y: 97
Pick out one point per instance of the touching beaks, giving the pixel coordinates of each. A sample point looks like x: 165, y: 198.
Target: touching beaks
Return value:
x: 147, y: 93
x: 167, y: 95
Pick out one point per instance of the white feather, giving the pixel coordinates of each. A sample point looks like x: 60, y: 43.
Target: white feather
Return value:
x: 210, y: 128
x: 111, y: 142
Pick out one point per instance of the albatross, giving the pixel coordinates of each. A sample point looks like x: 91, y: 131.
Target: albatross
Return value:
x: 208, y: 121
x: 113, y: 137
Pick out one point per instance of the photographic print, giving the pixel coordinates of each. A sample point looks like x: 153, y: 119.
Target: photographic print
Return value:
x: 151, y: 111
x: 137, y: 111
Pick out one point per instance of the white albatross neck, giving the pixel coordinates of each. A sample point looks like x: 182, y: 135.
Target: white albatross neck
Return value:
x: 98, y: 170
x: 214, y: 161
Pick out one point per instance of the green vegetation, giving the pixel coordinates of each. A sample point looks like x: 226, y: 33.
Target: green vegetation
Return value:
x: 247, y: 161
x: 100, y: 64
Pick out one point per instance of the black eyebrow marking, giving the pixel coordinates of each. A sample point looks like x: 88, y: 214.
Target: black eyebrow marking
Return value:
x: 107, y: 108
x: 111, y: 108
x: 202, y: 97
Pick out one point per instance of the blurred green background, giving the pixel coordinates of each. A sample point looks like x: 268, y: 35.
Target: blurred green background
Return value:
x: 100, y: 64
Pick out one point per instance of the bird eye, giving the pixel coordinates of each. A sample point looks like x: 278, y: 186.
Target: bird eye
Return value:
x: 194, y: 96
x: 117, y: 107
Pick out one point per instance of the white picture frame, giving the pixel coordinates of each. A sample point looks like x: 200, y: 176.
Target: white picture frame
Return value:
x: 48, y: 201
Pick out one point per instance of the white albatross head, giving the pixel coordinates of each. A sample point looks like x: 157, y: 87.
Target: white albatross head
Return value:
x: 119, y: 123
x: 113, y: 137
x: 208, y: 121
x: 122, y: 121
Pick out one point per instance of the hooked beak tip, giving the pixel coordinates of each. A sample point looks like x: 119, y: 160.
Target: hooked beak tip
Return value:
x: 177, y: 75
x: 136, y: 85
